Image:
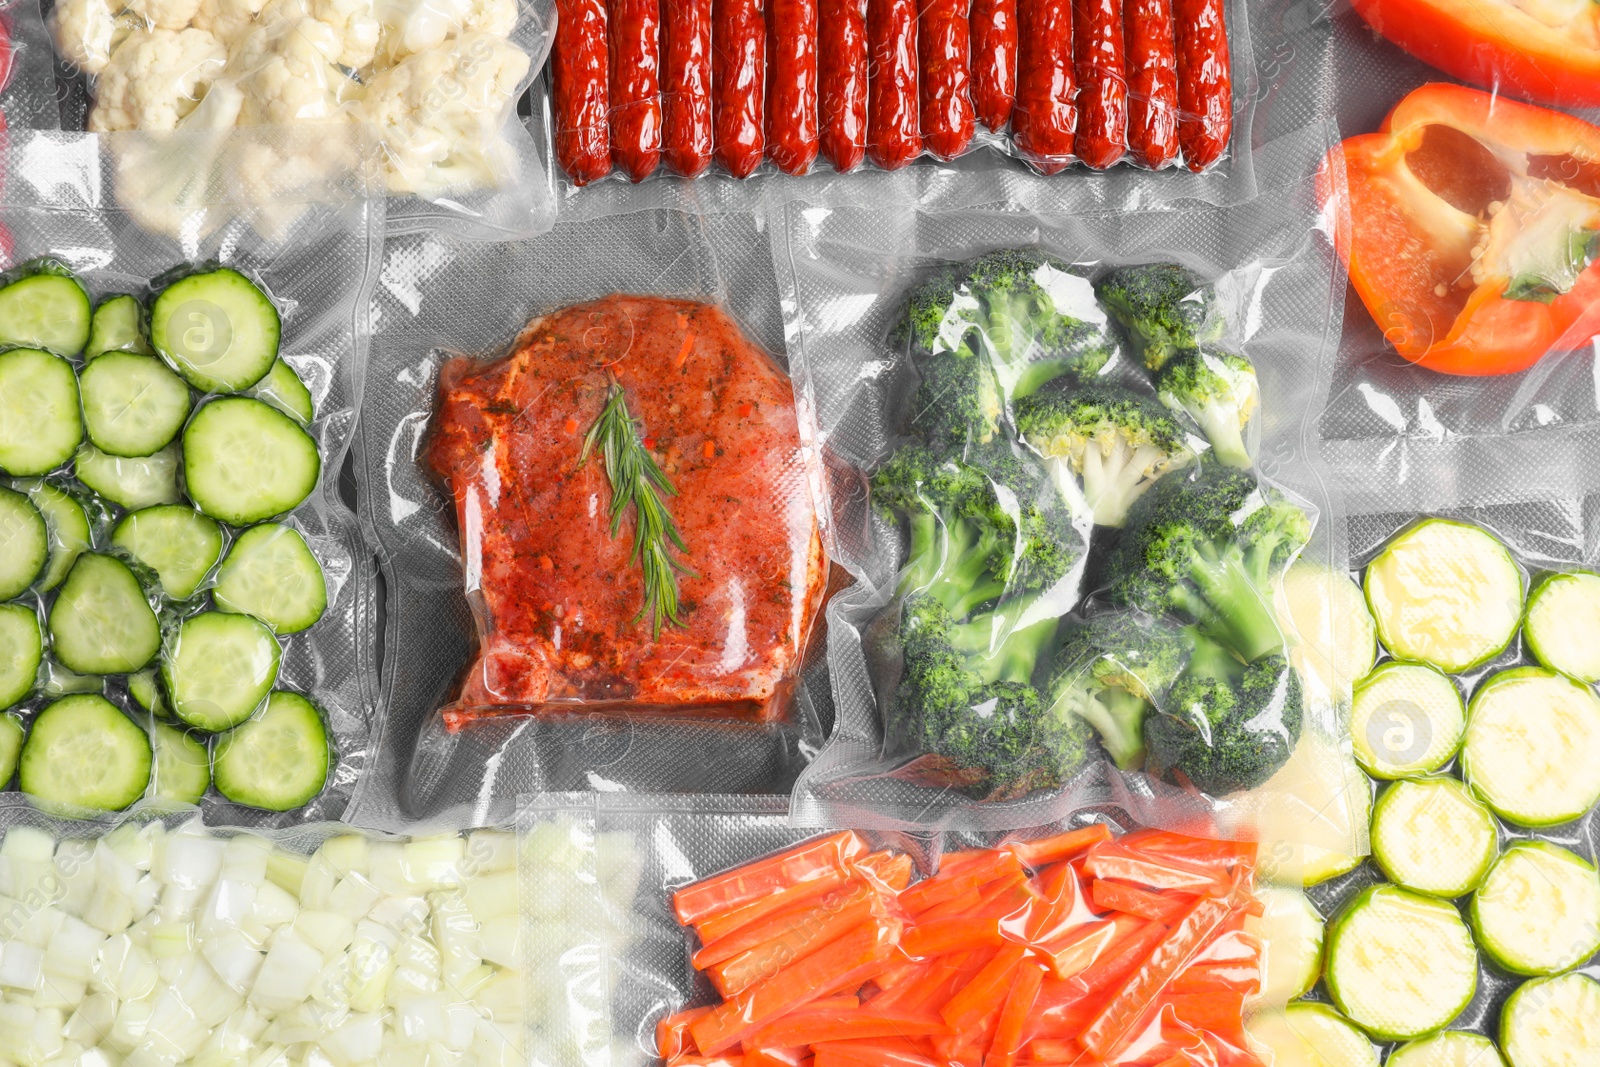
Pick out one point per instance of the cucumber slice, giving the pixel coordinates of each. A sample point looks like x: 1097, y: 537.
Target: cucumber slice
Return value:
x: 1552, y: 1022
x: 1445, y: 593
x: 48, y: 309
x: 183, y: 767
x: 1433, y: 836
x: 83, y: 752
x: 217, y: 329
x: 218, y: 669
x: 1290, y: 930
x: 40, y: 424
x: 1333, y: 641
x: 21, y: 652
x: 1538, y: 912
x: 1400, y: 965
x: 101, y: 622
x: 118, y: 326
x: 68, y: 524
x: 134, y: 483
x: 24, y: 544
x: 178, y: 543
x: 283, y: 389
x: 1406, y: 719
x: 1311, y: 1035
x: 270, y: 573
x: 1532, y: 747
x: 278, y: 760
x: 145, y: 689
x: 1562, y: 624
x: 245, y: 461
x: 132, y: 404
x: 11, y: 734
x: 1453, y: 1048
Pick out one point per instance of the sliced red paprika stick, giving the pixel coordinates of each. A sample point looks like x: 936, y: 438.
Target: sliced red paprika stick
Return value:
x: 580, y: 90
x: 1102, y: 137
x: 1152, y: 59
x: 1015, y: 1016
x: 842, y: 81
x: 792, y: 84
x: 994, y: 61
x: 944, y: 47
x: 830, y: 855
x: 1205, y: 81
x: 893, y: 122
x: 686, y: 85
x: 795, y: 942
x: 1042, y: 851
x: 1044, y: 117
x: 672, y: 1033
x: 635, y: 32
x: 1119, y: 896
x: 738, y: 84
x: 1113, y: 859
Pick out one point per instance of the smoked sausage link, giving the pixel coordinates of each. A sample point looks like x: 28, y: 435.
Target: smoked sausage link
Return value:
x: 579, y: 90
x: 944, y: 44
x: 1044, y: 117
x: 894, y: 136
x: 686, y: 85
x: 842, y: 77
x: 635, y: 85
x: 1102, y: 137
x: 738, y: 77
x: 792, y: 84
x: 1152, y: 82
x: 1205, y: 82
x: 994, y: 61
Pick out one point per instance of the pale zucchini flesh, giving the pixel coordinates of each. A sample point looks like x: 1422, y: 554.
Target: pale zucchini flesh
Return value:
x: 1332, y: 638
x: 1538, y: 911
x: 1532, y: 746
x: 1453, y: 1048
x: 1311, y: 1035
x: 1562, y: 624
x: 1406, y: 719
x: 1431, y: 835
x: 1552, y: 1022
x: 1290, y: 931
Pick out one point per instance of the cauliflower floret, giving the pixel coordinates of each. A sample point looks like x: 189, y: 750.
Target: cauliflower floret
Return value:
x: 412, y: 26
x: 439, y: 113
x: 228, y: 20
x: 86, y: 32
x: 287, y: 74
x: 154, y: 79
x: 357, y: 24
x: 164, y: 14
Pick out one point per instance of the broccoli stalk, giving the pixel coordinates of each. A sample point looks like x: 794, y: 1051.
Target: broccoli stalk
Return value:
x: 1165, y: 308
x: 1219, y: 391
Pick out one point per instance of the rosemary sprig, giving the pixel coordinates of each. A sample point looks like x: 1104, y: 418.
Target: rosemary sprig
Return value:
x: 636, y: 479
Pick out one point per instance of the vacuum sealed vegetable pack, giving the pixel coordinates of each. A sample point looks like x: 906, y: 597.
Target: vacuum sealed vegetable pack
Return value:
x: 1064, y: 459
x: 189, y: 603
x: 589, y: 495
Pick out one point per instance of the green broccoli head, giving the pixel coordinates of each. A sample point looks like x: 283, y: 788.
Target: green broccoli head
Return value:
x: 1226, y: 726
x: 1219, y: 391
x: 1165, y: 308
x: 958, y: 400
x: 1104, y: 444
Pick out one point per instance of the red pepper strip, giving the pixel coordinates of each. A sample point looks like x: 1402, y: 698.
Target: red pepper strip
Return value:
x: 871, y: 1054
x: 851, y: 959
x: 1014, y: 1017
x: 1219, y: 978
x: 808, y: 1027
x: 802, y: 915
x: 798, y: 940
x: 672, y: 1033
x: 1134, y: 998
x: 816, y: 891
x: 925, y: 894
x: 1045, y: 850
x: 1118, y: 896
x: 968, y: 1007
x: 1081, y: 947
x: 744, y: 885
x: 1218, y: 1014
x: 1115, y: 860
x: 957, y: 934
x: 1203, y: 851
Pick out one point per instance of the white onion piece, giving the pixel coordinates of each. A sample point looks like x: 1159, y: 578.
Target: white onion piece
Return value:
x: 21, y: 965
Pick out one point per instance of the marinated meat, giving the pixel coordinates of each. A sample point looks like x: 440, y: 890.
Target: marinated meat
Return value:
x: 559, y: 598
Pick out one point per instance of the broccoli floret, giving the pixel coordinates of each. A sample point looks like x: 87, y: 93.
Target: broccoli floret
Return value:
x: 1109, y: 669
x: 1105, y: 443
x: 1164, y: 307
x: 958, y: 400
x: 1226, y: 726
x: 1220, y: 392
x: 1185, y: 553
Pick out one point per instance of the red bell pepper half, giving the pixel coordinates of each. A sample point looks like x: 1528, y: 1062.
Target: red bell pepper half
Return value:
x: 1470, y: 226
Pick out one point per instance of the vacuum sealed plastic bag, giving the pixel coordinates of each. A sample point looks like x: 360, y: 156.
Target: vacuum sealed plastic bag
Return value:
x: 603, y: 558
x: 1069, y: 483
x: 199, y: 607
x: 712, y: 928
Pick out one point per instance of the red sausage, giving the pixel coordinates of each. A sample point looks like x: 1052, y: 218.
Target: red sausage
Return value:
x: 1152, y: 82
x: 1205, y: 82
x: 635, y: 85
x: 686, y: 85
x: 842, y: 81
x: 944, y: 44
x: 893, y: 124
x: 739, y: 60
x: 792, y: 84
x: 994, y: 60
x: 578, y: 84
x: 1102, y: 137
x: 1044, y: 117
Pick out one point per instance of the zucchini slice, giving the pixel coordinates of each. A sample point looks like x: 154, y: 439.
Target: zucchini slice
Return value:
x: 40, y: 422
x: 245, y: 462
x: 11, y: 736
x: 101, y: 622
x: 1445, y: 593
x: 1562, y: 624
x: 132, y: 404
x: 1453, y: 1048
x: 21, y: 652
x: 1538, y: 911
x: 1406, y: 719
x: 270, y: 573
x: 1290, y: 930
x: 83, y: 752
x: 1333, y: 641
x: 283, y: 389
x: 217, y: 329
x: 118, y: 326
x: 1532, y: 747
x: 279, y: 759
x: 218, y: 668
x: 24, y: 544
x: 1400, y: 965
x: 178, y: 543
x: 182, y: 765
x: 68, y: 524
x: 133, y: 483
x: 48, y: 308
x: 1433, y: 836
x: 1552, y: 1022
x: 1311, y: 1035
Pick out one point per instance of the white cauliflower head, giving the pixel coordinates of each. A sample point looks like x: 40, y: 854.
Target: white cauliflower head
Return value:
x: 228, y: 20
x: 154, y: 79
x: 164, y: 14
x: 440, y: 113
x: 86, y: 32
x: 412, y: 26
x: 287, y: 72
